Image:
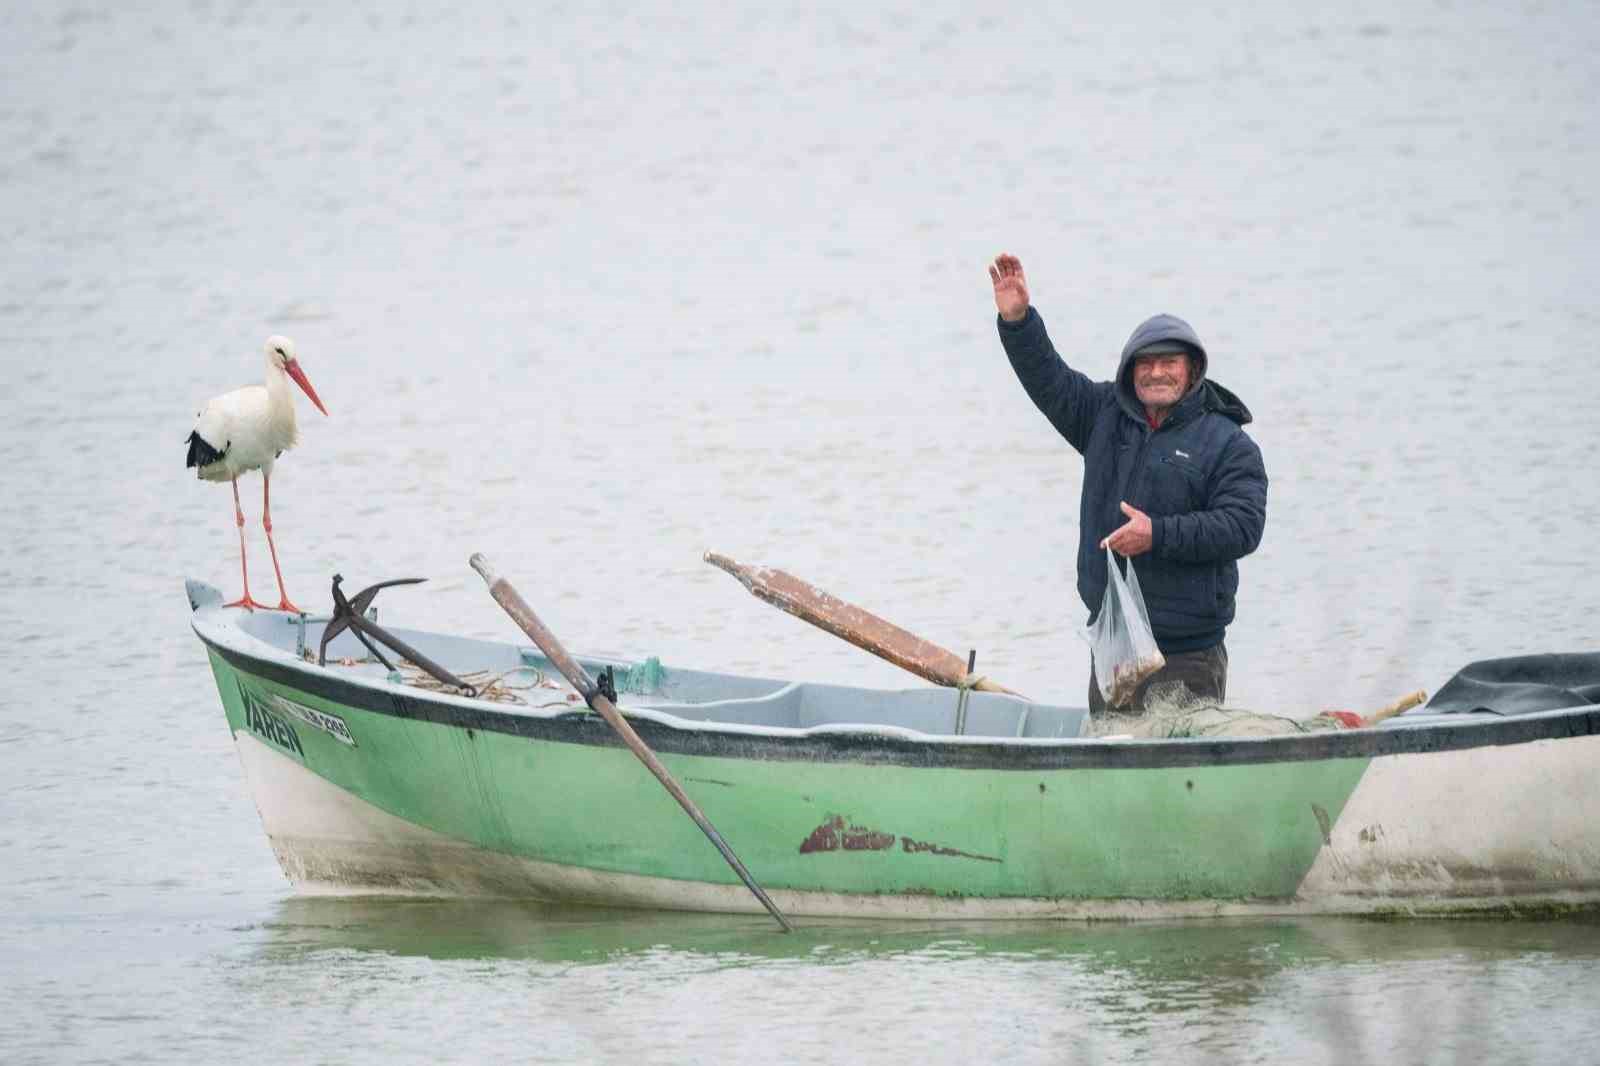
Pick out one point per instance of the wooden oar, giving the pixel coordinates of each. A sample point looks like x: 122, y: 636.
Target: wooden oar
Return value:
x: 1399, y: 706
x: 573, y: 671
x: 1354, y: 720
x: 860, y: 627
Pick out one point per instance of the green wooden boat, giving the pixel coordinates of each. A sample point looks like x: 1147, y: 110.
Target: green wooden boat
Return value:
x: 864, y: 803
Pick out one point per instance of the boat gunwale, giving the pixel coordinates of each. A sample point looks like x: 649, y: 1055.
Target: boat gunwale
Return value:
x: 888, y: 744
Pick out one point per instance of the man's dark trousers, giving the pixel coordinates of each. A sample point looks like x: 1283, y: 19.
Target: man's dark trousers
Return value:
x: 1204, y: 673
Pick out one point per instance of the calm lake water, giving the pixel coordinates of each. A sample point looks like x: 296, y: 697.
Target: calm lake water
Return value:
x: 594, y: 290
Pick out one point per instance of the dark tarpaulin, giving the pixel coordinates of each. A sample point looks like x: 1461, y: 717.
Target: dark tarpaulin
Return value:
x: 1520, y: 684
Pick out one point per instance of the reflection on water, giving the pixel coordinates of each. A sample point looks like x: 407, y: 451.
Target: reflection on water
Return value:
x: 511, y: 930
x: 1319, y: 990
x: 1234, y: 948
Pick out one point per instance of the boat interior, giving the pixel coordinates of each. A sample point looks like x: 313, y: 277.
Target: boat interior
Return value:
x: 518, y: 678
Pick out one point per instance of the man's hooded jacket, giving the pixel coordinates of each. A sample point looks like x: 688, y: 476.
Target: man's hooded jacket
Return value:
x: 1199, y: 477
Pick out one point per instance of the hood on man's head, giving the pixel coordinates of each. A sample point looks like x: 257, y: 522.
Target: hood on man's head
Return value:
x: 1160, y: 334
x: 1169, y: 333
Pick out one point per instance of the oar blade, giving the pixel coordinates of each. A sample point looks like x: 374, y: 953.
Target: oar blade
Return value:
x: 855, y: 624
x: 859, y: 626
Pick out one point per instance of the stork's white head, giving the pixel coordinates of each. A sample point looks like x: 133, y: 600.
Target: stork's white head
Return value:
x: 281, y: 357
x: 280, y: 351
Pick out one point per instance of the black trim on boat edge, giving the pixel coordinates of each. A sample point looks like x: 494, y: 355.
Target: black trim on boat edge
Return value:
x: 868, y: 747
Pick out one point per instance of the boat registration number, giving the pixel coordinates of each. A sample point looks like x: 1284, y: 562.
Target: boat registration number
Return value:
x: 265, y: 715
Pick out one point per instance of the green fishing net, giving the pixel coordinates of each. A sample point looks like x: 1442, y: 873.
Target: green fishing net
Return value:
x: 641, y: 678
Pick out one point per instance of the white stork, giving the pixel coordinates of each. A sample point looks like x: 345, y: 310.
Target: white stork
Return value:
x: 247, y: 429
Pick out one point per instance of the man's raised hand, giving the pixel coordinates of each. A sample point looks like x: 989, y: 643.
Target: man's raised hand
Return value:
x: 1010, y: 287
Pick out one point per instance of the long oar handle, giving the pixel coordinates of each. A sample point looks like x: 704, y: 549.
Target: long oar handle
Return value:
x: 515, y: 606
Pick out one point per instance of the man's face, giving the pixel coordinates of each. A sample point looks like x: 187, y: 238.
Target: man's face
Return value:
x: 1160, y: 380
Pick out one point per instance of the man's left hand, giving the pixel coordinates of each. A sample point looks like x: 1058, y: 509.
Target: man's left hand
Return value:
x: 1133, y: 536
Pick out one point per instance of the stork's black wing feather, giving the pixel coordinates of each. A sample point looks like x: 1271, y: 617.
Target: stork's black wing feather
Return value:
x: 201, y: 453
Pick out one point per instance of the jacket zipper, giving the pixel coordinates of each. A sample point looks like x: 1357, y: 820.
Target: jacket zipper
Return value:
x: 1134, y: 472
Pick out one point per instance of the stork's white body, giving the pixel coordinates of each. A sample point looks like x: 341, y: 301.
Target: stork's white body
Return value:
x: 251, y: 427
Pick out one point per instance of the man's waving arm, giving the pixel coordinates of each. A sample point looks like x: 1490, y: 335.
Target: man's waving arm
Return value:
x: 1065, y: 396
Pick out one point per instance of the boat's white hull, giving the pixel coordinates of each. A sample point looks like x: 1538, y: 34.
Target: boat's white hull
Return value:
x: 1487, y: 824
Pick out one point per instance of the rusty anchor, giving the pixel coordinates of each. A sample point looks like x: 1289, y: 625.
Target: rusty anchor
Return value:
x: 351, y: 614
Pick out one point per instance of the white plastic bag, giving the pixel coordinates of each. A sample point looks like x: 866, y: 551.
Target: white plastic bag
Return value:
x: 1120, y: 642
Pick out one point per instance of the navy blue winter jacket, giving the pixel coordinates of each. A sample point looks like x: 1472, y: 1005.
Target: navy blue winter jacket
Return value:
x: 1199, y: 477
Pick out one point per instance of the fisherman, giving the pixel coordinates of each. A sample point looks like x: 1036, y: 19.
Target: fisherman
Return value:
x: 1170, y: 481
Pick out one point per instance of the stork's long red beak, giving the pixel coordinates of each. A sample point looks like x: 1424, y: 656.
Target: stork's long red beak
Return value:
x: 293, y: 367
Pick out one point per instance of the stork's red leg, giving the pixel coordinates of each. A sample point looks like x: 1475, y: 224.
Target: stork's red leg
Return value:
x: 244, y: 566
x: 266, y: 523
